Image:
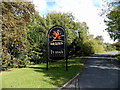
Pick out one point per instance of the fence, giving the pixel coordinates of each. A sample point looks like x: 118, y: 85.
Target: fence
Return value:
x: 72, y: 84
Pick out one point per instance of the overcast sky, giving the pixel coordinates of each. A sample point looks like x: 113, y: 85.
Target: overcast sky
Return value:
x: 83, y: 10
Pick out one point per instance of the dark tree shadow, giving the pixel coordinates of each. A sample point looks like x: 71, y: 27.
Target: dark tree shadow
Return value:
x: 57, y: 71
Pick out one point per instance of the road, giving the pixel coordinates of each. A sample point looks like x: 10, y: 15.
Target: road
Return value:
x: 101, y: 72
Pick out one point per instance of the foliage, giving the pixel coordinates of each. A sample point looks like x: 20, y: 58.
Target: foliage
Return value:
x: 99, y: 38
x: 76, y: 31
x: 96, y: 46
x: 113, y: 19
x: 37, y: 39
x: 109, y: 47
x: 66, y: 20
x: 113, y: 23
x: 24, y: 35
x: 117, y: 45
x: 15, y: 17
x: 118, y: 56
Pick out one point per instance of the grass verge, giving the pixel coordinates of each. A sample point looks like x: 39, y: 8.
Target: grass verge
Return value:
x: 36, y: 76
x: 118, y: 56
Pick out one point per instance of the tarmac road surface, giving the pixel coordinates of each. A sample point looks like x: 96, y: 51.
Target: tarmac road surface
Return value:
x: 101, y: 72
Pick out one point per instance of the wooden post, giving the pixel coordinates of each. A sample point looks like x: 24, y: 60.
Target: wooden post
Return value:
x: 66, y: 50
x: 66, y: 64
x: 47, y: 63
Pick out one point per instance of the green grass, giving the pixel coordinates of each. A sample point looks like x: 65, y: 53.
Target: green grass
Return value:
x: 36, y: 76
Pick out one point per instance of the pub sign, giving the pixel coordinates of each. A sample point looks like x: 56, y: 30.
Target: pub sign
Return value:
x: 56, y: 43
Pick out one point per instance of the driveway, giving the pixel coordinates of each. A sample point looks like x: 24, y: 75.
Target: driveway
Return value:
x: 101, y: 72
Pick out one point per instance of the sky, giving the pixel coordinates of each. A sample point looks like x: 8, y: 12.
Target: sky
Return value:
x: 84, y: 11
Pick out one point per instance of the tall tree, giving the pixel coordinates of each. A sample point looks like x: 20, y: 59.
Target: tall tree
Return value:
x: 117, y: 45
x: 113, y: 23
x: 37, y: 38
x: 76, y: 31
x: 15, y: 17
x: 99, y: 38
x: 67, y: 20
x: 113, y: 19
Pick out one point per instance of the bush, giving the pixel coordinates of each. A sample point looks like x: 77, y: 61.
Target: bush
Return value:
x: 118, y: 56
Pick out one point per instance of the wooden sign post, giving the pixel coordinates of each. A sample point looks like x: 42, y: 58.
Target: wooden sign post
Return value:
x: 57, y: 44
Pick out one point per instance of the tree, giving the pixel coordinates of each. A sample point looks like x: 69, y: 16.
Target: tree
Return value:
x: 37, y: 38
x: 117, y: 45
x: 76, y: 31
x: 113, y: 23
x: 15, y: 17
x: 99, y: 38
x: 113, y: 19
x: 109, y: 47
x: 64, y: 19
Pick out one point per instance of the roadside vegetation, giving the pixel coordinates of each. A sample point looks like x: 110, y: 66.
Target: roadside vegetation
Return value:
x: 36, y: 76
x: 24, y: 35
x: 24, y: 46
x: 118, y: 56
x: 112, y: 13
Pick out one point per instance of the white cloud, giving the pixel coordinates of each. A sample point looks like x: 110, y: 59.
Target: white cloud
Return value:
x: 84, y: 10
x: 40, y: 4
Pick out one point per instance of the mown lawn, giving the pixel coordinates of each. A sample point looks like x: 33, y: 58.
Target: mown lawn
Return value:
x: 36, y: 76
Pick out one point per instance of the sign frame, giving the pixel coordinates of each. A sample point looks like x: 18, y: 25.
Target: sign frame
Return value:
x: 64, y: 42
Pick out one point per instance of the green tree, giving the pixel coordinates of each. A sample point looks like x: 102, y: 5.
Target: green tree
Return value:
x: 113, y: 19
x: 76, y: 31
x: 15, y: 17
x: 109, y: 47
x: 113, y: 23
x: 37, y: 38
x: 117, y: 45
x: 65, y: 20
x: 99, y: 38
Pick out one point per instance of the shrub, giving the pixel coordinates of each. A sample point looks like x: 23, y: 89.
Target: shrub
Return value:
x: 118, y: 56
